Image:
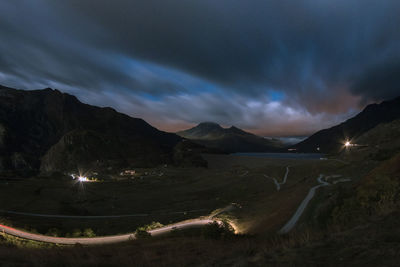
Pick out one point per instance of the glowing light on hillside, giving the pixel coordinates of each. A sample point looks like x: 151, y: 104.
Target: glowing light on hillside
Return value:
x: 82, y: 179
x: 347, y: 144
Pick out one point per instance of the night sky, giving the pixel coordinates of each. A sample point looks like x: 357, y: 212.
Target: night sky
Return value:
x: 275, y: 68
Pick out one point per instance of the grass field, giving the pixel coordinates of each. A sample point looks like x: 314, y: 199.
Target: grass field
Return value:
x: 315, y: 241
x: 178, y: 194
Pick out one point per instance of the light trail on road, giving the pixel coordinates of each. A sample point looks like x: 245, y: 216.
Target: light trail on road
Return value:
x: 106, y: 239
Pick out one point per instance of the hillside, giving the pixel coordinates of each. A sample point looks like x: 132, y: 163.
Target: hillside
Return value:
x: 52, y: 131
x: 331, y: 140
x: 230, y: 139
x: 379, y: 143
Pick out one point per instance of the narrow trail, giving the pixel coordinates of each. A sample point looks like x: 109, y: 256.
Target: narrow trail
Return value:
x: 277, y: 184
x: 303, y: 205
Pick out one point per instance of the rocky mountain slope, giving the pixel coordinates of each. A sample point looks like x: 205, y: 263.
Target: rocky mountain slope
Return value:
x: 331, y: 140
x: 230, y: 139
x: 379, y: 143
x: 52, y: 131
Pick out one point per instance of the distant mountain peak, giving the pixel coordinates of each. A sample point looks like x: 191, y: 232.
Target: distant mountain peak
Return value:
x: 208, y: 124
x: 235, y: 130
x: 230, y: 139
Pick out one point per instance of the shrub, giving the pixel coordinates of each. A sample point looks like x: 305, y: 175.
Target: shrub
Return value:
x: 153, y: 225
x: 217, y: 230
x: 88, y: 232
x: 53, y: 232
x: 141, y: 233
x: 76, y: 233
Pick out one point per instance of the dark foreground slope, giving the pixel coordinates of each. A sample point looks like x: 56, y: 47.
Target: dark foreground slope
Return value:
x: 52, y: 131
x: 331, y: 140
x: 229, y: 139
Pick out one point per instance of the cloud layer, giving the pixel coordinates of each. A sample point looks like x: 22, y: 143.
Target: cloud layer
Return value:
x: 272, y: 67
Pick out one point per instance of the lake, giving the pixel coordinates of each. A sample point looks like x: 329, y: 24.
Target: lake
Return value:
x: 282, y: 155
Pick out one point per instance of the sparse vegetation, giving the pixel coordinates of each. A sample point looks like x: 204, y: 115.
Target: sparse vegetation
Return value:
x: 12, y: 241
x: 218, y: 230
x: 88, y: 233
x: 377, y: 195
x: 143, y: 231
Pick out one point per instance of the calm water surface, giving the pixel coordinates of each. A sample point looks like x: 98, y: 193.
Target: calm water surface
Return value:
x: 282, y: 155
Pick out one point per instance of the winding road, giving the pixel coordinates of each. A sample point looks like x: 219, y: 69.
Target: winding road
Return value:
x: 105, y: 239
x: 296, y: 216
x: 277, y: 184
x: 165, y: 229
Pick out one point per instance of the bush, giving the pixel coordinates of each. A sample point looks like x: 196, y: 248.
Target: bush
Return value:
x: 54, y: 232
x: 76, y: 233
x: 88, y: 232
x: 141, y: 233
x: 217, y: 230
x: 153, y: 225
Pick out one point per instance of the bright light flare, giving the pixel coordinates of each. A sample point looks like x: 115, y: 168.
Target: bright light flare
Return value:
x: 82, y: 179
x: 347, y: 144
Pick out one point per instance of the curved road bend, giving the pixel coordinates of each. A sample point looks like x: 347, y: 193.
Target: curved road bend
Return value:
x: 296, y: 216
x: 277, y: 184
x: 102, y: 240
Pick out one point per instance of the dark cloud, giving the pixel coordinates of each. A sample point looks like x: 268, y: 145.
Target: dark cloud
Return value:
x: 216, y: 60
x: 282, y: 44
x: 379, y: 82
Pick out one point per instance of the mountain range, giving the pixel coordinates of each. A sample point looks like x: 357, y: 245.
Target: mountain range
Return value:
x: 230, y: 140
x: 46, y: 130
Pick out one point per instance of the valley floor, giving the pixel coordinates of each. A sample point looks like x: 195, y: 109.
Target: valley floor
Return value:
x: 258, y: 211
